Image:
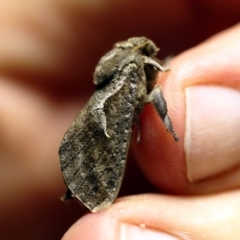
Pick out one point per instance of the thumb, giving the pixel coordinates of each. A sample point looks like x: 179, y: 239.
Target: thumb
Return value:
x: 163, y: 217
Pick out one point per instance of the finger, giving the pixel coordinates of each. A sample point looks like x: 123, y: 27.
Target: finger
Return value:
x: 203, y: 96
x: 163, y: 217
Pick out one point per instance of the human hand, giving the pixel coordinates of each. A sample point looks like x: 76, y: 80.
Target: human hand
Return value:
x: 48, y: 50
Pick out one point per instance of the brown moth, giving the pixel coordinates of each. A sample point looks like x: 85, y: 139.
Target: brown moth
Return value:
x: 94, y: 150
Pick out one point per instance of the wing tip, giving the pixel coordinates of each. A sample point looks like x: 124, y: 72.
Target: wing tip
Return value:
x: 101, y: 206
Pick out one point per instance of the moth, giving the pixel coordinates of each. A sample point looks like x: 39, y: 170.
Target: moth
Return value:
x: 94, y: 149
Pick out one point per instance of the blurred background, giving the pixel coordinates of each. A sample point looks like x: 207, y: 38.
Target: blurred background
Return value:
x: 48, y: 52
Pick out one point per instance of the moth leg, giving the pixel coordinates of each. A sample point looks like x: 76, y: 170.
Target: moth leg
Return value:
x: 166, y: 63
x: 159, y: 102
x: 67, y: 196
x: 138, y: 123
x: 99, y: 100
x: 138, y: 131
x: 101, y: 119
x: 152, y: 62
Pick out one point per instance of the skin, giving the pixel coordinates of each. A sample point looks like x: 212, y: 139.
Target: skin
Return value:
x: 47, y: 57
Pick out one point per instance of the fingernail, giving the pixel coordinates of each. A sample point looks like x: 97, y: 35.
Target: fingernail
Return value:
x: 134, y: 232
x: 212, y: 134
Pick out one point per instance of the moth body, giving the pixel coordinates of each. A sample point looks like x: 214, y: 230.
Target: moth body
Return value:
x: 94, y: 150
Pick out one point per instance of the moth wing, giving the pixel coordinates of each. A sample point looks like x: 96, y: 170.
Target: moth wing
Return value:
x: 93, y: 164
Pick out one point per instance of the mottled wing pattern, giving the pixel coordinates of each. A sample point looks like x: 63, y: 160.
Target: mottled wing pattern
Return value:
x: 92, y: 164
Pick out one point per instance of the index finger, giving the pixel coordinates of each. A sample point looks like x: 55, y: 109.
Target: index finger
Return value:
x: 202, y: 92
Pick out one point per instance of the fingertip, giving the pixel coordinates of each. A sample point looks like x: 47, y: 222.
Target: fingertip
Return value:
x: 94, y: 226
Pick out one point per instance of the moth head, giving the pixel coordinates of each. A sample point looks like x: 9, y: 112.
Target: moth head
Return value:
x: 142, y: 44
